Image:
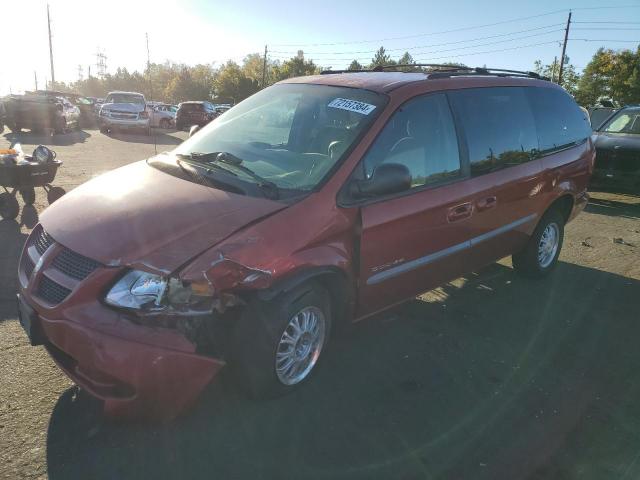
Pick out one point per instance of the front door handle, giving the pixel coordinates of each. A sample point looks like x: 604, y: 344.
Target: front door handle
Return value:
x: 487, y: 203
x: 460, y: 212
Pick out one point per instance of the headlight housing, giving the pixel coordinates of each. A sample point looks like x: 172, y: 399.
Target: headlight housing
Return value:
x: 151, y: 293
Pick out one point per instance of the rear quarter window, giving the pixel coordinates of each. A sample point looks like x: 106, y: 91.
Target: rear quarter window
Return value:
x: 498, y: 125
x: 559, y: 120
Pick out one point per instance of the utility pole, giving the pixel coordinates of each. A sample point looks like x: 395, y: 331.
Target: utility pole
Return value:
x: 264, y: 67
x: 35, y: 77
x: 53, y: 76
x: 564, y: 48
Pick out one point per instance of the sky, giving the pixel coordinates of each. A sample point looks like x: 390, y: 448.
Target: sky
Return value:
x: 501, y: 33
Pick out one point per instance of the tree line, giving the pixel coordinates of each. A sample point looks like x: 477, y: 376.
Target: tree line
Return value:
x: 613, y: 74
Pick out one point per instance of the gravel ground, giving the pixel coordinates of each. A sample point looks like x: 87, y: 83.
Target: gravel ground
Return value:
x: 490, y: 376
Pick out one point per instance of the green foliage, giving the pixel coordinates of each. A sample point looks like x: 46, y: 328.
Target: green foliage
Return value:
x: 570, y: 77
x: 295, y: 67
x: 613, y: 74
x: 381, y: 58
x: 355, y: 65
x: 232, y: 85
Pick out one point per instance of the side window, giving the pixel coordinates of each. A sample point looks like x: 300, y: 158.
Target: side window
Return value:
x: 560, y: 121
x: 499, y: 127
x: 420, y: 135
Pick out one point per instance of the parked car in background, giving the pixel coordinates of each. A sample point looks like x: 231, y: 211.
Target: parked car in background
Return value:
x: 162, y: 115
x: 124, y: 111
x: 256, y: 237
x: 617, y: 144
x: 41, y: 113
x: 84, y: 104
x: 194, y: 113
x: 3, y: 114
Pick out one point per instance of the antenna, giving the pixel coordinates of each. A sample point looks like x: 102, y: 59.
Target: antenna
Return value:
x: 155, y: 143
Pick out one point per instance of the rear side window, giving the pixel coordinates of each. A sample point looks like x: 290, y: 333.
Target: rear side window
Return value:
x: 420, y: 135
x: 191, y: 107
x: 499, y: 127
x: 560, y: 121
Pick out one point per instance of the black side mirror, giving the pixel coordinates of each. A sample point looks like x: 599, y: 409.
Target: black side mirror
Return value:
x: 387, y: 178
x: 193, y: 130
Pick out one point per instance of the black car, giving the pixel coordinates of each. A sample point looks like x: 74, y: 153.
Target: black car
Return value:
x: 194, y: 113
x: 618, y: 151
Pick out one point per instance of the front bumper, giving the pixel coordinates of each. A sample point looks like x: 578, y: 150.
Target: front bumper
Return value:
x: 123, y: 124
x: 156, y: 378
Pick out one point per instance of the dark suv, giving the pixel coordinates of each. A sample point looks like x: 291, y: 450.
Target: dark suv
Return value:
x: 318, y: 201
x: 194, y: 113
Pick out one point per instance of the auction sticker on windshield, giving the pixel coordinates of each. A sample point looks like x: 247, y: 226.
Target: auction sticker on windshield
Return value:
x: 352, y: 105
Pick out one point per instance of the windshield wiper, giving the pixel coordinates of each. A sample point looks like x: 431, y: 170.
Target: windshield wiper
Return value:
x: 215, y: 158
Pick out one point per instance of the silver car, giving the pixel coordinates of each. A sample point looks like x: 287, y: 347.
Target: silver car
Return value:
x: 162, y: 115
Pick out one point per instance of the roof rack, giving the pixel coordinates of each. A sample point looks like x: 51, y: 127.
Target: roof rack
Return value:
x: 437, y: 70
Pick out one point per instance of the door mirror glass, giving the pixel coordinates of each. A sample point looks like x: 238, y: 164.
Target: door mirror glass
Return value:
x: 387, y: 179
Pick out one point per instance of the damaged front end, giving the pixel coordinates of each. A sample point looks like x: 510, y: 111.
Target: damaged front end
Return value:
x: 202, y: 309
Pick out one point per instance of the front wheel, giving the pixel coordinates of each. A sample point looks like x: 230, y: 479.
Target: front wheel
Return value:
x: 277, y: 345
x: 541, y: 253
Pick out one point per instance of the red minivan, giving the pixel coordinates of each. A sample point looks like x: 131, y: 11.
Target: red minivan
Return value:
x: 317, y: 201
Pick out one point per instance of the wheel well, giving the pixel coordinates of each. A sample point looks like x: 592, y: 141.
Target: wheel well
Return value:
x: 334, y: 280
x: 564, y: 204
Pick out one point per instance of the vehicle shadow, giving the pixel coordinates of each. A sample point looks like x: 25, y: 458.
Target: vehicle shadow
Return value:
x: 157, y: 137
x: 614, y: 208
x: 11, y: 241
x: 490, y: 376
x: 34, y: 138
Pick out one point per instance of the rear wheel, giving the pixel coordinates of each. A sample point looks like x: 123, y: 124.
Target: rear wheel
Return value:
x: 165, y: 123
x: 104, y: 129
x: 9, y: 207
x: 541, y: 253
x: 277, y: 345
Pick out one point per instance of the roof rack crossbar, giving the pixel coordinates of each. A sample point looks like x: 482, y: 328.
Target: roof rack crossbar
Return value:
x: 438, y: 70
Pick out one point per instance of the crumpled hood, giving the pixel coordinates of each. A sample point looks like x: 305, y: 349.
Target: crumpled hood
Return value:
x: 124, y: 107
x: 139, y: 215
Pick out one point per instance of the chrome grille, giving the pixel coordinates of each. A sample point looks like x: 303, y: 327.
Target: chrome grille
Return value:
x: 51, y: 291
x: 42, y: 240
x: 28, y: 266
x: 74, y: 264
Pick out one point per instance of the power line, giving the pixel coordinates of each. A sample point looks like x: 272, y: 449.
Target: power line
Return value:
x: 616, y: 23
x: 473, y: 27
x: 603, y: 40
x: 452, y: 49
x: 430, y: 45
x: 421, y: 34
x: 487, y: 51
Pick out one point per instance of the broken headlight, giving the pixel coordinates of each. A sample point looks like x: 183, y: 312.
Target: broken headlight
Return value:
x: 151, y: 293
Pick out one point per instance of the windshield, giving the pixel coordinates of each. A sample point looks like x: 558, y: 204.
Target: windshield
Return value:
x: 126, y: 98
x: 191, y: 107
x: 624, y: 122
x: 290, y: 134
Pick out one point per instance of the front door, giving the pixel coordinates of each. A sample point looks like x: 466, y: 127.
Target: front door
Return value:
x: 415, y: 240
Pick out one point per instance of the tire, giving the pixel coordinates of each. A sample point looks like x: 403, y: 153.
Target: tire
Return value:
x: 165, y: 123
x: 9, y: 207
x: 258, y: 340
x: 179, y: 127
x: 55, y: 193
x: 28, y: 195
x: 61, y: 126
x: 104, y: 129
x: 532, y: 261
